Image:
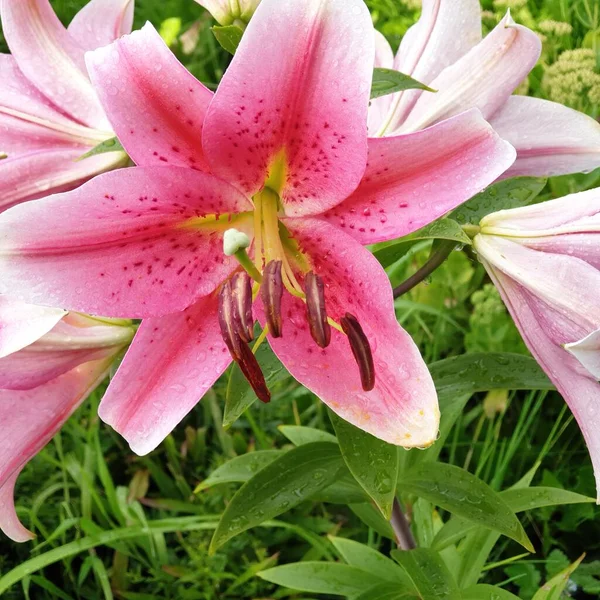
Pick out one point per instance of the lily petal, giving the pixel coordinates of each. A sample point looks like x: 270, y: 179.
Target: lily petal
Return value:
x: 292, y: 106
x: 31, y: 419
x: 445, y: 32
x: 402, y: 408
x: 483, y: 78
x: 551, y: 139
x: 378, y: 108
x: 131, y: 243
x: 413, y: 179
x: 22, y: 324
x: 587, y: 352
x: 50, y: 58
x: 156, y: 106
x: 100, y: 22
x: 172, y: 362
x: 37, y: 174
x: 580, y: 391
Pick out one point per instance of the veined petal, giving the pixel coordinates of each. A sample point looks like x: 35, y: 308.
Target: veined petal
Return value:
x: 402, y: 408
x: 30, y: 419
x: 413, y: 179
x: 483, y: 78
x: 50, y: 58
x: 172, y: 362
x: 156, y: 106
x: 42, y: 172
x: 585, y: 246
x: 446, y: 31
x: 551, y: 139
x: 100, y: 22
x: 65, y: 347
x: 132, y: 243
x: 378, y: 108
x: 292, y: 107
x: 587, y: 352
x: 22, y: 324
x: 580, y: 391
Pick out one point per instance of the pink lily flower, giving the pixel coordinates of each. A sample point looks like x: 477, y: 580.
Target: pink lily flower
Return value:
x: 43, y: 381
x: 545, y: 261
x: 445, y: 51
x: 49, y: 113
x: 230, y: 12
x: 292, y: 171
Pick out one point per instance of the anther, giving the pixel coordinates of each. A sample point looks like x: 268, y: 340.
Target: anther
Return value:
x: 271, y: 292
x: 241, y: 287
x: 320, y: 330
x: 253, y: 373
x: 361, y: 349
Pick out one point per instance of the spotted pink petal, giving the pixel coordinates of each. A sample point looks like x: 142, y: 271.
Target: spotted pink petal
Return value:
x: 42, y: 172
x: 172, y: 362
x: 483, y: 78
x: 156, y: 106
x: 100, y: 22
x: 578, y: 388
x: 22, y: 324
x: 446, y: 31
x: 50, y: 58
x: 378, y: 108
x: 137, y: 245
x: 413, y: 179
x: 550, y: 138
x: 30, y: 419
x: 60, y: 350
x: 402, y: 408
x: 293, y: 103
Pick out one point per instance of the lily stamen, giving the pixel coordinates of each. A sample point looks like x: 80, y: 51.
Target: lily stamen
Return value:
x: 272, y: 292
x: 320, y: 330
x: 361, y: 349
x: 241, y: 287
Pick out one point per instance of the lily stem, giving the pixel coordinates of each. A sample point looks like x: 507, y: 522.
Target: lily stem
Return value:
x: 433, y: 262
x: 399, y: 523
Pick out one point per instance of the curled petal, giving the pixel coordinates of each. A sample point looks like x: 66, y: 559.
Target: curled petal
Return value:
x: 292, y: 107
x: 155, y: 105
x: 10, y: 524
x: 172, y: 362
x: 402, y: 407
x: 131, y: 243
x: 413, y: 179
x: 587, y: 352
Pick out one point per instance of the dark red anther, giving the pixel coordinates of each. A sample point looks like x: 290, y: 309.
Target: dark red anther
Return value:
x: 241, y: 287
x: 361, y: 349
x: 271, y: 292
x: 253, y: 373
x: 320, y: 330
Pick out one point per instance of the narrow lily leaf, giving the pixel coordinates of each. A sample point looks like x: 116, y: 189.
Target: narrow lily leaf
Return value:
x: 321, y: 578
x: 389, y: 81
x: 281, y: 485
x: 386, y: 591
x: 372, y: 518
x: 442, y: 229
x: 428, y: 572
x: 366, y: 558
x: 466, y: 496
x: 305, y: 435
x: 240, y: 469
x: 229, y: 36
x: 487, y: 592
x: 344, y: 490
x: 553, y: 589
x: 510, y: 193
x: 111, y: 145
x: 373, y: 463
x: 240, y: 394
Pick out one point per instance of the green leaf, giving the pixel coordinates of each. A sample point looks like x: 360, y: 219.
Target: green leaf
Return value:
x: 372, y: 518
x: 229, y: 36
x: 305, y: 435
x: 321, y: 578
x: 388, y: 81
x: 428, y: 572
x: 370, y: 560
x: 111, y: 145
x: 553, y: 589
x: 240, y: 469
x: 281, y: 485
x: 344, y: 490
x: 240, y: 394
x: 386, y: 591
x: 487, y: 592
x: 465, y: 495
x: 373, y: 462
x: 510, y: 193
x: 442, y: 229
